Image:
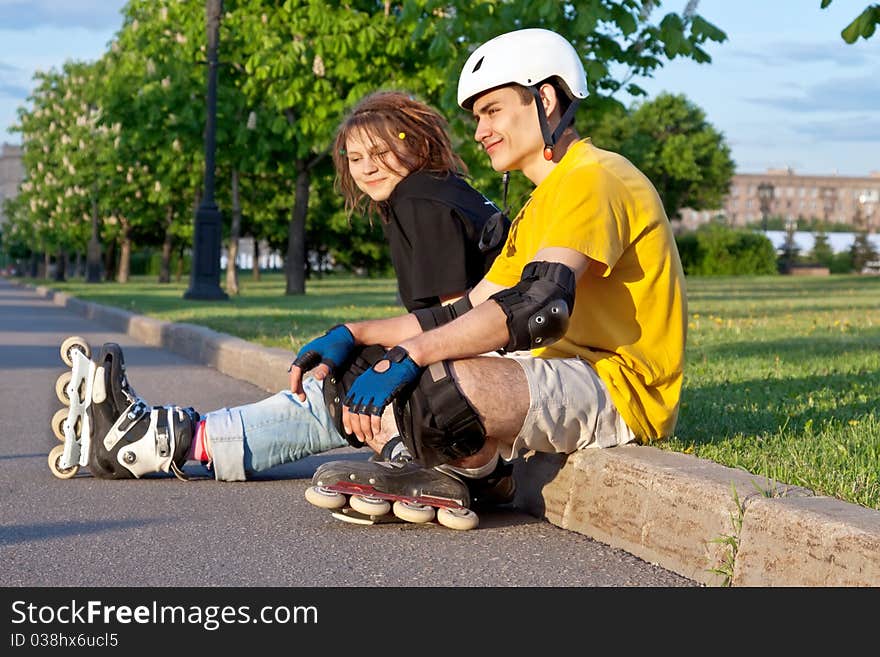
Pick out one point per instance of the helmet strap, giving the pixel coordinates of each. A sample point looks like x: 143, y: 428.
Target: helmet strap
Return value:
x: 550, y: 138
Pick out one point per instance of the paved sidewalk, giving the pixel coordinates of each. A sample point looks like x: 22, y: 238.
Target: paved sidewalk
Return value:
x: 702, y: 520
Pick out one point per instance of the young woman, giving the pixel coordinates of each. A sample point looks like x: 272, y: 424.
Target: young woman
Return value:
x: 394, y: 159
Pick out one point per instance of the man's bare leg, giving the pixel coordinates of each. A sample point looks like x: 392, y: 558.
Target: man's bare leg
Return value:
x: 497, y: 388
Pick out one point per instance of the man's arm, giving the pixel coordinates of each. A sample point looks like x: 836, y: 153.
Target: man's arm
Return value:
x: 393, y: 331
x: 386, y: 332
x: 484, y: 328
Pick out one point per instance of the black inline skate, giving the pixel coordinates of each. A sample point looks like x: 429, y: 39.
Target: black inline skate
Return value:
x: 391, y: 485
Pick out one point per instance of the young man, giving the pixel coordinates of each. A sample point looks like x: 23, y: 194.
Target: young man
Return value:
x: 589, y: 280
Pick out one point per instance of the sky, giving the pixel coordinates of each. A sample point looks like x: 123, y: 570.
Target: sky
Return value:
x: 785, y: 90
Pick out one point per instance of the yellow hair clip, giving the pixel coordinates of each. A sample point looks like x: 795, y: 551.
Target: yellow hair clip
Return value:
x: 401, y: 135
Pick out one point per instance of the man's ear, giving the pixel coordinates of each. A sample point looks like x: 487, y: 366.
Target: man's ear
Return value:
x: 549, y: 99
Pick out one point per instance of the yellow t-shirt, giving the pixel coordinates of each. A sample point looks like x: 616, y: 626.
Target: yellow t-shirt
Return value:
x: 629, y: 318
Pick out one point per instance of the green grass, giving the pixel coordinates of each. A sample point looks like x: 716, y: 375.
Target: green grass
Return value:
x: 782, y: 376
x: 261, y: 313
x: 783, y: 380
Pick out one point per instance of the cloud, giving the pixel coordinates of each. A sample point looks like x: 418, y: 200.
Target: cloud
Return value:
x: 856, y: 129
x: 798, y: 53
x: 13, y: 90
x: 8, y: 87
x: 834, y: 95
x: 94, y: 15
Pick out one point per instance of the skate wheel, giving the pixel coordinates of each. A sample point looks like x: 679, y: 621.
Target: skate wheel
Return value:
x: 58, y: 421
x: 412, y: 512
x: 369, y: 506
x: 55, y: 464
x: 325, y: 499
x: 461, y: 519
x: 74, y: 342
x: 61, y: 388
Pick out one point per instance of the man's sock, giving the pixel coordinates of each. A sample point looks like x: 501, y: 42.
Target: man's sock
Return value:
x: 198, y: 451
x: 474, y: 473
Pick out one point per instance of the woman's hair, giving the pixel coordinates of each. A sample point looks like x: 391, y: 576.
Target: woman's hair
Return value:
x: 414, y: 132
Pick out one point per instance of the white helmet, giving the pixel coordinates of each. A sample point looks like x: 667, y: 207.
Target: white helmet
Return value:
x: 525, y: 57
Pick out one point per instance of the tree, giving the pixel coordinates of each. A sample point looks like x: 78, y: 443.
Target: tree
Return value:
x: 289, y: 73
x: 862, y: 251
x: 154, y: 80
x: 65, y: 151
x: 620, y: 42
x: 862, y: 26
x: 310, y: 61
x: 822, y: 252
x: 673, y: 144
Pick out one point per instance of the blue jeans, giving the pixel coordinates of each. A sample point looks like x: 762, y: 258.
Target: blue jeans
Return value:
x: 279, y: 429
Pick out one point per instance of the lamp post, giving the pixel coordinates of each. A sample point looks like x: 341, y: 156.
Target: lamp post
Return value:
x: 765, y: 195
x: 867, y: 203
x: 205, y: 274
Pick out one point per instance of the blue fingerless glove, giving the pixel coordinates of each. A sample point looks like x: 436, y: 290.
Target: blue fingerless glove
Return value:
x: 333, y: 348
x: 372, y: 391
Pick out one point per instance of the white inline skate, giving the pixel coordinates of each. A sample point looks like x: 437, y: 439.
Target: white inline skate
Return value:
x: 107, y: 427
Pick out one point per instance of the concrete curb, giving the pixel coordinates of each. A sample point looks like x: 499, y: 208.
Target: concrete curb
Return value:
x: 710, y: 523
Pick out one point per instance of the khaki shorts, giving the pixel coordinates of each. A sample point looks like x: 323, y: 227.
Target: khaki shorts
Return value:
x: 569, y: 408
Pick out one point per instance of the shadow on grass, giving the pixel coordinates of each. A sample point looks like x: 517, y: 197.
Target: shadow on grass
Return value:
x: 778, y: 286
x: 160, y: 303
x: 864, y: 341
x: 711, y: 414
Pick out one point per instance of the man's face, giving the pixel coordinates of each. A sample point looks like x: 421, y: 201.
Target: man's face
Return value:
x: 377, y: 179
x: 508, y: 129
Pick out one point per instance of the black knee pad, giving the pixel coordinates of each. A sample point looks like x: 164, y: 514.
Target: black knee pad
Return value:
x: 436, y: 421
x: 337, y: 385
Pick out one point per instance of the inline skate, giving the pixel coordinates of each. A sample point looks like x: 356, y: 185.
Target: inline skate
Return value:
x: 107, y: 427
x: 392, y: 487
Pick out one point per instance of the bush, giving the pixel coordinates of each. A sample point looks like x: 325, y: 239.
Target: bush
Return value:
x: 841, y: 263
x: 148, y: 263
x: 716, y: 250
x: 139, y: 263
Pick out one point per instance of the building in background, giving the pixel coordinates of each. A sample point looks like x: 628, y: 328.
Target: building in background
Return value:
x: 755, y: 197
x: 11, y: 174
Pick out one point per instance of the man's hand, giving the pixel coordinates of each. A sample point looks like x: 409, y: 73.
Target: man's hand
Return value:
x: 321, y: 355
x: 373, y: 390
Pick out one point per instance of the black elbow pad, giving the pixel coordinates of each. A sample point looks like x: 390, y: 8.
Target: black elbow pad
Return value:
x: 539, y: 306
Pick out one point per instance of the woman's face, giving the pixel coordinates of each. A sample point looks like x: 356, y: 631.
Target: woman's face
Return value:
x: 377, y: 179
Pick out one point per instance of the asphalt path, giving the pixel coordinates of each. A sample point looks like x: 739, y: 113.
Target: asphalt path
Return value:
x: 159, y: 531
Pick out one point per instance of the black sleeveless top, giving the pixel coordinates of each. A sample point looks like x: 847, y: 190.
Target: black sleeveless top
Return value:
x: 434, y: 228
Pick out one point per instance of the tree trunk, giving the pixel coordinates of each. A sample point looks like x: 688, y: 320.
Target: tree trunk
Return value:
x: 60, y: 265
x: 167, y: 243
x: 234, y: 230
x: 180, y: 254
x: 110, y: 260
x: 124, y: 270
x: 256, y: 270
x: 295, y: 263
